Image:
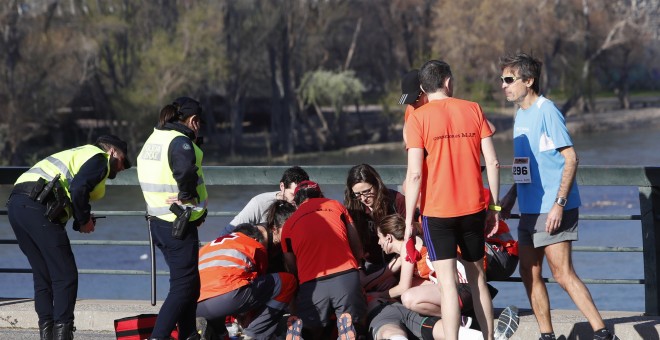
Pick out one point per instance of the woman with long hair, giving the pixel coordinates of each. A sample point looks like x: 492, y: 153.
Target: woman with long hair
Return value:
x: 368, y: 200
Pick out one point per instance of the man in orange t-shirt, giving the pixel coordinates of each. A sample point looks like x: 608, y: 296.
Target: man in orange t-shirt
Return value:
x: 234, y: 281
x: 322, y: 247
x: 445, y: 141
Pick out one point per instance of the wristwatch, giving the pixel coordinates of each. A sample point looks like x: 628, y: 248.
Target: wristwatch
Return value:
x: 561, y: 201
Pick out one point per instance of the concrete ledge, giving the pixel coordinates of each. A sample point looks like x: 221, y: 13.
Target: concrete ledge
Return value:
x: 99, y: 315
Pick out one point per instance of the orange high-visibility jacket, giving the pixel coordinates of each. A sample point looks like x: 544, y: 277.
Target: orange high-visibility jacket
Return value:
x: 230, y: 262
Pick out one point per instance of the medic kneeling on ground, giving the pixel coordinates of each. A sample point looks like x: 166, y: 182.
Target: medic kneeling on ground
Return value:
x: 234, y: 281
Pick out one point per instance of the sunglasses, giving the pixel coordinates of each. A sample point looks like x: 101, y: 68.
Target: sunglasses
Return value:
x: 509, y: 80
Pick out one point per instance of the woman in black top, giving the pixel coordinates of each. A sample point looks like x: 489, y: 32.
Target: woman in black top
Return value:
x: 368, y: 200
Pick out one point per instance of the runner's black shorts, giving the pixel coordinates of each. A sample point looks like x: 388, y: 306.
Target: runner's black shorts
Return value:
x: 443, y: 234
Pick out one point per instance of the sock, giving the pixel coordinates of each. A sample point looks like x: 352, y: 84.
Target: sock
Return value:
x: 398, y: 337
x: 469, y: 334
x: 603, y: 334
x: 427, y: 327
x: 547, y: 336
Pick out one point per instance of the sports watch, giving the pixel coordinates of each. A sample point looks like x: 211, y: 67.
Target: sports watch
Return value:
x: 561, y: 201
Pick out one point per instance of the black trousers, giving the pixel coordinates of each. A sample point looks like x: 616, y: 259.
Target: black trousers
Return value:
x: 48, y: 250
x: 181, y: 257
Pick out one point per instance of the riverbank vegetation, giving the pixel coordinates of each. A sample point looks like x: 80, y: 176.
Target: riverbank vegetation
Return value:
x: 301, y: 75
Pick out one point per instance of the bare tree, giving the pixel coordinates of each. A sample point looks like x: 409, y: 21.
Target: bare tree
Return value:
x: 606, y: 26
x: 39, y: 76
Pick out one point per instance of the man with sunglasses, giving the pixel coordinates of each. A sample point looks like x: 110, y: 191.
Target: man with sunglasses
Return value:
x: 445, y: 141
x: 544, y: 168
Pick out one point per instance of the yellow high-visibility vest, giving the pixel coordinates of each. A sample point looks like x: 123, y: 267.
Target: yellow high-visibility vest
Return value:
x: 67, y: 163
x: 157, y: 180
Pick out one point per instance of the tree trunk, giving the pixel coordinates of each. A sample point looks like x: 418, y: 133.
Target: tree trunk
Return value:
x: 276, y: 126
x: 236, y: 113
x: 288, y: 99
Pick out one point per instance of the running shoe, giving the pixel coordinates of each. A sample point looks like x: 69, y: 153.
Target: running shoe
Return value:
x: 507, y: 323
x: 345, y: 328
x: 293, y: 328
x: 608, y: 336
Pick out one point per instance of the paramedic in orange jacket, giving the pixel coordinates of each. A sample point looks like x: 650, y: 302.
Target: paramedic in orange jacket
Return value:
x: 234, y: 281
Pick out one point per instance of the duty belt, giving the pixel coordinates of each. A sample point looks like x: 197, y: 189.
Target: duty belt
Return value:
x: 24, y: 188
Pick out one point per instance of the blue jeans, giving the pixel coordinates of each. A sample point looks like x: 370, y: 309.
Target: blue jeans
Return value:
x: 182, y: 258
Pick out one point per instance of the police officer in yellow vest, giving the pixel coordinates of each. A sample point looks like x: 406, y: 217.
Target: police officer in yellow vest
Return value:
x: 44, y: 198
x: 170, y: 171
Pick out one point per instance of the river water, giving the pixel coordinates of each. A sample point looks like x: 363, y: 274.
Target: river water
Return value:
x: 611, y: 148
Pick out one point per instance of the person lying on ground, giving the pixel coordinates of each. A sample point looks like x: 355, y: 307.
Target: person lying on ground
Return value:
x: 389, y: 319
x: 413, y: 272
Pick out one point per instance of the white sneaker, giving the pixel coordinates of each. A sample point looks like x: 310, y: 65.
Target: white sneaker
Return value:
x: 507, y: 323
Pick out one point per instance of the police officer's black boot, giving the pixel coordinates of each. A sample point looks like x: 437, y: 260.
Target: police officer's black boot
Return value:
x: 63, y: 331
x: 46, y: 330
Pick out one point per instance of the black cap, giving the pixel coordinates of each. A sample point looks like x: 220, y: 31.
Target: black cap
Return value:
x: 117, y: 143
x: 187, y: 107
x: 410, y: 90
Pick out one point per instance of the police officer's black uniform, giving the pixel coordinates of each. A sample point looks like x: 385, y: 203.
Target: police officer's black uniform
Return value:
x: 46, y: 244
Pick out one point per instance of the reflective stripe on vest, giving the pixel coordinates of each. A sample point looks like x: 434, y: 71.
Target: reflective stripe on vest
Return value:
x: 67, y: 163
x: 63, y: 170
x: 229, y: 262
x: 157, y: 180
x: 228, y: 255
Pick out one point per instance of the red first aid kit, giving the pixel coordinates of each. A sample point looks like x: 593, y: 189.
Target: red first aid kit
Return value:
x: 138, y: 327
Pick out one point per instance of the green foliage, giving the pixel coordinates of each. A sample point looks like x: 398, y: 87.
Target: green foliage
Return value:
x: 179, y: 60
x: 330, y: 88
x: 480, y: 91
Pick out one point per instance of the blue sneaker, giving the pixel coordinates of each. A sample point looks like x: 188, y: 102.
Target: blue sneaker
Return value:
x: 345, y: 328
x: 507, y: 323
x: 293, y: 328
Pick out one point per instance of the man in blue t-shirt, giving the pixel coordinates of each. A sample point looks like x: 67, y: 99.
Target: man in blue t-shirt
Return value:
x: 544, y: 168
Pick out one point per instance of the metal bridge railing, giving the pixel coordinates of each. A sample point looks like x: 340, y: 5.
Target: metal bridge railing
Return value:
x: 646, y: 179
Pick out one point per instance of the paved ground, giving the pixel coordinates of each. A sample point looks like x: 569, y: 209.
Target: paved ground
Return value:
x: 33, y: 334
x: 94, y: 320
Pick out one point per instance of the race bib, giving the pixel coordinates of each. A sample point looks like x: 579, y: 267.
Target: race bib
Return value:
x: 520, y: 170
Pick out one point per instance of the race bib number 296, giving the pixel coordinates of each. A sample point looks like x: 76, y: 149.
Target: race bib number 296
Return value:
x: 520, y: 170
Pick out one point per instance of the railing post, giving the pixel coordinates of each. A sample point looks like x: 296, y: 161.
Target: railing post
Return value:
x: 649, y: 204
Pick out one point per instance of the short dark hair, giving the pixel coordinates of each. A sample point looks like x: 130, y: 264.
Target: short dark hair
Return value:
x: 433, y: 75
x: 294, y: 174
x: 527, y: 67
x: 250, y: 231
